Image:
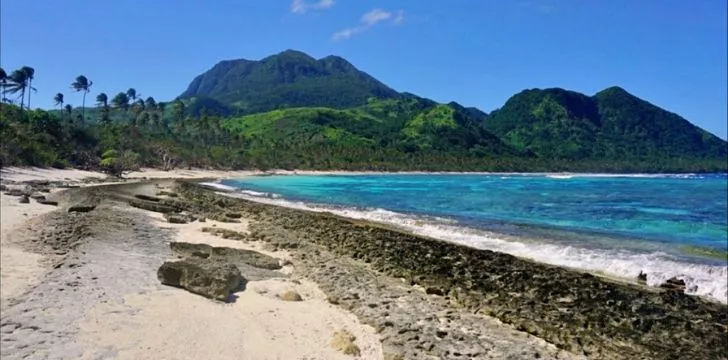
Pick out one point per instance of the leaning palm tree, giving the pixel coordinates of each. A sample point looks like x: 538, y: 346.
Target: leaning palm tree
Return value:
x: 69, y: 110
x: 3, y: 82
x: 121, y: 101
x: 82, y: 84
x: 58, y: 99
x: 30, y: 75
x: 132, y: 94
x: 18, y: 84
x: 102, y: 100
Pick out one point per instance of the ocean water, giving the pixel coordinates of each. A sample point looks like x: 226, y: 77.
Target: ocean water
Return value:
x: 619, y: 225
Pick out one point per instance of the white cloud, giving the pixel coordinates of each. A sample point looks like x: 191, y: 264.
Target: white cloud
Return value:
x: 301, y: 6
x: 368, y: 20
x: 399, y: 19
x: 375, y: 16
x: 347, y: 33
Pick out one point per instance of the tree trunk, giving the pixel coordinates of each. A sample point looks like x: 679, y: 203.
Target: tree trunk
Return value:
x: 22, y: 99
x: 83, y: 107
x: 30, y: 90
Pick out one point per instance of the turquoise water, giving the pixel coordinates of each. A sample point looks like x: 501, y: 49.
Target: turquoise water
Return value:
x: 615, y: 224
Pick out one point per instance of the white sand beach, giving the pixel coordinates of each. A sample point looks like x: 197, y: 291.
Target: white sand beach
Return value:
x: 148, y: 320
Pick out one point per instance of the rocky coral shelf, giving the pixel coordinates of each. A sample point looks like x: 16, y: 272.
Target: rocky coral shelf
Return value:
x: 577, y: 311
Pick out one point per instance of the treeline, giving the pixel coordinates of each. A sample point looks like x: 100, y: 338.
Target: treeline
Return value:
x: 127, y: 131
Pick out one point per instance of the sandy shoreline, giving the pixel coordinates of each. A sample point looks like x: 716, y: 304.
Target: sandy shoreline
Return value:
x: 127, y: 314
x: 95, y: 297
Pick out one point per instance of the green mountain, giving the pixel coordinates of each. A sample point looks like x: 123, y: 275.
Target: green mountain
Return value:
x: 378, y: 135
x: 613, y: 124
x: 288, y: 79
x: 292, y: 111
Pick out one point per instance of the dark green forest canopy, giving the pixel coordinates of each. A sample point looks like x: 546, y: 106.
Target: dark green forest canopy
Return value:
x: 292, y: 111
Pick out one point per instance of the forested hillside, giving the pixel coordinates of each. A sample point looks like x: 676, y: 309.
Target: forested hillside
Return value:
x: 294, y: 112
x: 288, y: 79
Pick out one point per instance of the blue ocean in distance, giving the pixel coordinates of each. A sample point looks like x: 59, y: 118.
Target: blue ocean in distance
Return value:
x: 664, y: 225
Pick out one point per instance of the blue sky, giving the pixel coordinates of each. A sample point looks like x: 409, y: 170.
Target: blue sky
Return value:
x: 477, y: 52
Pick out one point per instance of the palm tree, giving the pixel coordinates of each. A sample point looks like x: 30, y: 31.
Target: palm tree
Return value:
x: 82, y: 84
x: 58, y: 100
x: 102, y: 100
x: 18, y: 84
x: 132, y: 94
x: 30, y: 75
x: 151, y: 103
x: 69, y: 110
x: 137, y: 107
x: 121, y: 101
x: 3, y: 82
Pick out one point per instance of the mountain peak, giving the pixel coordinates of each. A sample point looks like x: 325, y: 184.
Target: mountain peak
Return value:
x: 614, y: 90
x: 290, y: 78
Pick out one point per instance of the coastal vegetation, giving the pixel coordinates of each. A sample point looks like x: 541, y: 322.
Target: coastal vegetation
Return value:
x: 292, y: 111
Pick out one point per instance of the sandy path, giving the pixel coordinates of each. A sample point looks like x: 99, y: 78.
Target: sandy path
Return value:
x: 19, y: 269
x: 174, y: 324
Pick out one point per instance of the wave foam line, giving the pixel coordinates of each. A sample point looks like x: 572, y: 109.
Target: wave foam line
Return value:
x: 704, y: 280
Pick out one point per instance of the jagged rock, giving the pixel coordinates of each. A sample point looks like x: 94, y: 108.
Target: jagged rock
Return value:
x: 147, y: 197
x: 211, y: 279
x: 37, y: 196
x: 225, y: 254
x: 343, y: 341
x: 81, y: 208
x: 167, y: 193
x: 575, y: 311
x: 176, y: 218
x: 290, y: 296
x: 152, y: 206
x: 187, y: 250
x: 24, y: 200
x: 642, y: 278
x: 674, y: 284
x: 16, y: 192
x: 234, y: 215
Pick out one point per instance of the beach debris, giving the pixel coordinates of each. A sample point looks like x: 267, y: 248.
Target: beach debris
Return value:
x: 343, y: 341
x: 225, y: 254
x: 290, y: 295
x: 642, y: 278
x: 211, y: 279
x: 81, y: 208
x: 24, y: 200
x: 674, y: 283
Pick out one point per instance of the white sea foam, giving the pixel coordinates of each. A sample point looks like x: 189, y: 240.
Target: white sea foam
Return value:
x: 218, y: 185
x: 705, y: 280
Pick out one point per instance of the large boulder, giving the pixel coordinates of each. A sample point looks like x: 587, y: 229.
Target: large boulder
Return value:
x: 211, y: 279
x: 225, y: 254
